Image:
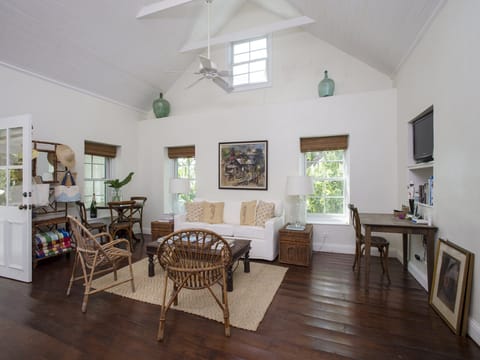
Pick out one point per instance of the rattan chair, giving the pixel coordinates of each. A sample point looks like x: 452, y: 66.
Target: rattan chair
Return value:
x: 137, y: 212
x: 194, y: 259
x: 376, y: 241
x: 96, y: 259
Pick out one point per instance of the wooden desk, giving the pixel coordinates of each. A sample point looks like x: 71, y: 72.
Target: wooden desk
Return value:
x: 387, y: 223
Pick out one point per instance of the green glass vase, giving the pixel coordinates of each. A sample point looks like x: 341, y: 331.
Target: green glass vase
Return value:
x: 161, y: 107
x: 326, y: 87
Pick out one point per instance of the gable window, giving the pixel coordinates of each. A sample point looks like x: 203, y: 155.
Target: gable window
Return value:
x: 97, y: 168
x: 250, y: 63
x: 325, y: 160
x: 183, y: 160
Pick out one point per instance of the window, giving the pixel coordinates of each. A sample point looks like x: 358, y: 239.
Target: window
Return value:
x: 97, y: 168
x: 325, y: 161
x: 183, y: 159
x: 250, y: 61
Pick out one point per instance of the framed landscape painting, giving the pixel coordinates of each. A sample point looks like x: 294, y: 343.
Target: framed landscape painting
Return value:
x: 243, y: 165
x: 451, y: 287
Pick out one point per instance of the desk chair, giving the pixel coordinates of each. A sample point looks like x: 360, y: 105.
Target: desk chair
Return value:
x: 95, y: 259
x: 92, y: 227
x: 194, y: 259
x: 137, y: 214
x: 121, y: 219
x: 376, y: 241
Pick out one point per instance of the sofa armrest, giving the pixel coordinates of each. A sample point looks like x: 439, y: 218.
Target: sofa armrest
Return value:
x: 272, y: 226
x: 178, y: 220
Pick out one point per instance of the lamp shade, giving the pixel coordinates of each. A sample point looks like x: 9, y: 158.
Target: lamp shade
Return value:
x: 179, y: 186
x: 299, y: 185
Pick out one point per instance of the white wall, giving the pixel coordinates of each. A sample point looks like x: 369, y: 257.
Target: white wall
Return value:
x: 443, y: 71
x: 63, y: 115
x: 298, y: 62
x: 368, y: 118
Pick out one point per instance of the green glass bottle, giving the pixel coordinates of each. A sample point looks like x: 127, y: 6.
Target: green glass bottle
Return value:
x: 161, y: 107
x: 93, y: 208
x: 326, y: 87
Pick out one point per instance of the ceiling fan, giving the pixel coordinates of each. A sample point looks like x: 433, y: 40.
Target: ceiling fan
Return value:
x: 208, y: 69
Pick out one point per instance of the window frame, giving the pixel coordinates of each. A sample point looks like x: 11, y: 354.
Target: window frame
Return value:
x: 87, y: 198
x: 323, y: 218
x: 252, y: 86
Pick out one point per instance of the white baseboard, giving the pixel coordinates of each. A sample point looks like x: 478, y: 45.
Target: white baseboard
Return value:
x: 474, y: 330
x: 419, y: 275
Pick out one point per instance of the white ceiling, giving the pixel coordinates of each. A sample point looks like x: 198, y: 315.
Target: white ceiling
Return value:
x: 99, y: 47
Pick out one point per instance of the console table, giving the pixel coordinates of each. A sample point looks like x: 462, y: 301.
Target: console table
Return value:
x: 387, y: 223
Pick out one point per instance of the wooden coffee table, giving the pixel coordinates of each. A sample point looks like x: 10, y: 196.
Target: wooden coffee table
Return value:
x: 241, y: 248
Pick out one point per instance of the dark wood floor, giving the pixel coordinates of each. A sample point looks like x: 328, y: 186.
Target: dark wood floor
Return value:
x: 319, y: 312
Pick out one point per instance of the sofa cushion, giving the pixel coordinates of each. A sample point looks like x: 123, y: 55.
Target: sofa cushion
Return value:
x: 247, y: 212
x: 194, y: 211
x: 249, y: 232
x: 265, y: 211
x: 231, y: 212
x: 213, y: 212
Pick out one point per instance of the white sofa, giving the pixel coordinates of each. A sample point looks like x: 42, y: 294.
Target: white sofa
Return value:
x: 264, y: 243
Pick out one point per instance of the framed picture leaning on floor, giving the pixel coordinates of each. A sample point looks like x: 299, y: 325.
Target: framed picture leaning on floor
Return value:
x: 452, y: 282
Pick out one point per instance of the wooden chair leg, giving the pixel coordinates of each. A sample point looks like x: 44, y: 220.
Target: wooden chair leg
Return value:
x: 385, y: 259
x: 163, y: 313
x: 226, y: 313
x: 72, y: 277
x: 131, y: 273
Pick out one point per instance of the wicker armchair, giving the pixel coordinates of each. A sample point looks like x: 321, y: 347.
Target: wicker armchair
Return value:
x: 194, y: 259
x: 99, y: 227
x: 96, y: 259
x: 377, y: 241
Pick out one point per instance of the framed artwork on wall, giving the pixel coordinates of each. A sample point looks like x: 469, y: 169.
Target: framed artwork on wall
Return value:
x: 243, y: 165
x: 451, y: 286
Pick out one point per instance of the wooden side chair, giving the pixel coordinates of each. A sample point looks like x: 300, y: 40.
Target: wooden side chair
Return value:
x: 376, y: 241
x: 194, y: 259
x: 92, y: 227
x: 95, y: 259
x: 121, y: 220
x: 137, y: 213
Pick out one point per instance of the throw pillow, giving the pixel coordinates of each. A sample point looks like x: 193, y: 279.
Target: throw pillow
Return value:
x: 247, y: 212
x: 264, y: 212
x: 194, y: 211
x: 213, y: 212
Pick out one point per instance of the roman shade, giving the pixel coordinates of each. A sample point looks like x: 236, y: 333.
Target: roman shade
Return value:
x: 323, y: 143
x: 181, y: 152
x: 99, y: 149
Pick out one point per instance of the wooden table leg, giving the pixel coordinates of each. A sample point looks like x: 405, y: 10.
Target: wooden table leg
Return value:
x: 246, y: 262
x: 229, y: 278
x: 405, y: 251
x: 430, y: 239
x: 368, y: 242
x: 151, y: 266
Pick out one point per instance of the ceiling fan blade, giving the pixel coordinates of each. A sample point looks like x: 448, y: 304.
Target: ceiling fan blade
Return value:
x: 207, y: 64
x: 223, y: 84
x: 159, y: 6
x: 224, y: 73
x: 195, y: 82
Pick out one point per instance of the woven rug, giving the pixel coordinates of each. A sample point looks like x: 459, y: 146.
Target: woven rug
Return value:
x: 248, y: 302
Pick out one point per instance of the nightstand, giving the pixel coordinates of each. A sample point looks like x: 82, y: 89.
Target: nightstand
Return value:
x: 296, y: 245
x: 161, y: 228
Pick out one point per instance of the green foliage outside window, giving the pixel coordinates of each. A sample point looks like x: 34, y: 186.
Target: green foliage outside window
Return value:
x: 185, y: 169
x: 328, y: 170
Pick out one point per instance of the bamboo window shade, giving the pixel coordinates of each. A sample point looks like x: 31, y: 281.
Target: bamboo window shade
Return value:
x: 323, y: 143
x: 181, y: 152
x: 99, y: 149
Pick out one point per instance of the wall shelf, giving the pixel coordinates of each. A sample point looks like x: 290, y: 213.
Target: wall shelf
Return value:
x: 426, y: 165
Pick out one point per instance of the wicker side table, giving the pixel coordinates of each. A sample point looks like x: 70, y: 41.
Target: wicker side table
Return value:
x: 296, y: 245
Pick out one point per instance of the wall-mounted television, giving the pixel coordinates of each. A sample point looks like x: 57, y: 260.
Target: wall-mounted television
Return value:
x: 422, y: 127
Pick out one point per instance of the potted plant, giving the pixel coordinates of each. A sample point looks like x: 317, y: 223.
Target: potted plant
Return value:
x: 117, y: 184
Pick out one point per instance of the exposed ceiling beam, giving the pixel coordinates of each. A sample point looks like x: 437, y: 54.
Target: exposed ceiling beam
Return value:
x: 250, y: 33
x: 159, y: 6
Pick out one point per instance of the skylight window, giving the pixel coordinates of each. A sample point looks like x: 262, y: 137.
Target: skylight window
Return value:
x: 250, y: 61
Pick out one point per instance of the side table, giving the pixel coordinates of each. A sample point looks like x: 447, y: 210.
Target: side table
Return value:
x: 296, y: 245
x: 161, y: 228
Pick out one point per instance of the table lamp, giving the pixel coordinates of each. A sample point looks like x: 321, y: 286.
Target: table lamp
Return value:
x: 178, y: 186
x: 299, y: 186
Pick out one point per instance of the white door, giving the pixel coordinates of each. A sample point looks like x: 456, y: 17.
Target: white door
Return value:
x: 15, y: 197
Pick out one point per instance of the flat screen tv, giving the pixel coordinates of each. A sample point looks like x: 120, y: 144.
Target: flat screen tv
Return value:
x: 423, y: 137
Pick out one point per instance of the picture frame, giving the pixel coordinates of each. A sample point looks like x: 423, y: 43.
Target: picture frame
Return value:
x: 243, y: 165
x: 451, y: 285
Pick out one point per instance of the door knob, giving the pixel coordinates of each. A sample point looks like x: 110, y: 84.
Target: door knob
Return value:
x: 22, y: 207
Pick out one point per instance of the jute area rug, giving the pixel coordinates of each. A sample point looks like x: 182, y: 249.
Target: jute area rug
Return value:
x: 248, y: 302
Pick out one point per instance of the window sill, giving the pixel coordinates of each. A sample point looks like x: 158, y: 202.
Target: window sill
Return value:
x: 333, y: 221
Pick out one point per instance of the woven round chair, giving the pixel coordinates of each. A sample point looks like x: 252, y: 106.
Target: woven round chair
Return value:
x: 96, y: 259
x: 194, y: 259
